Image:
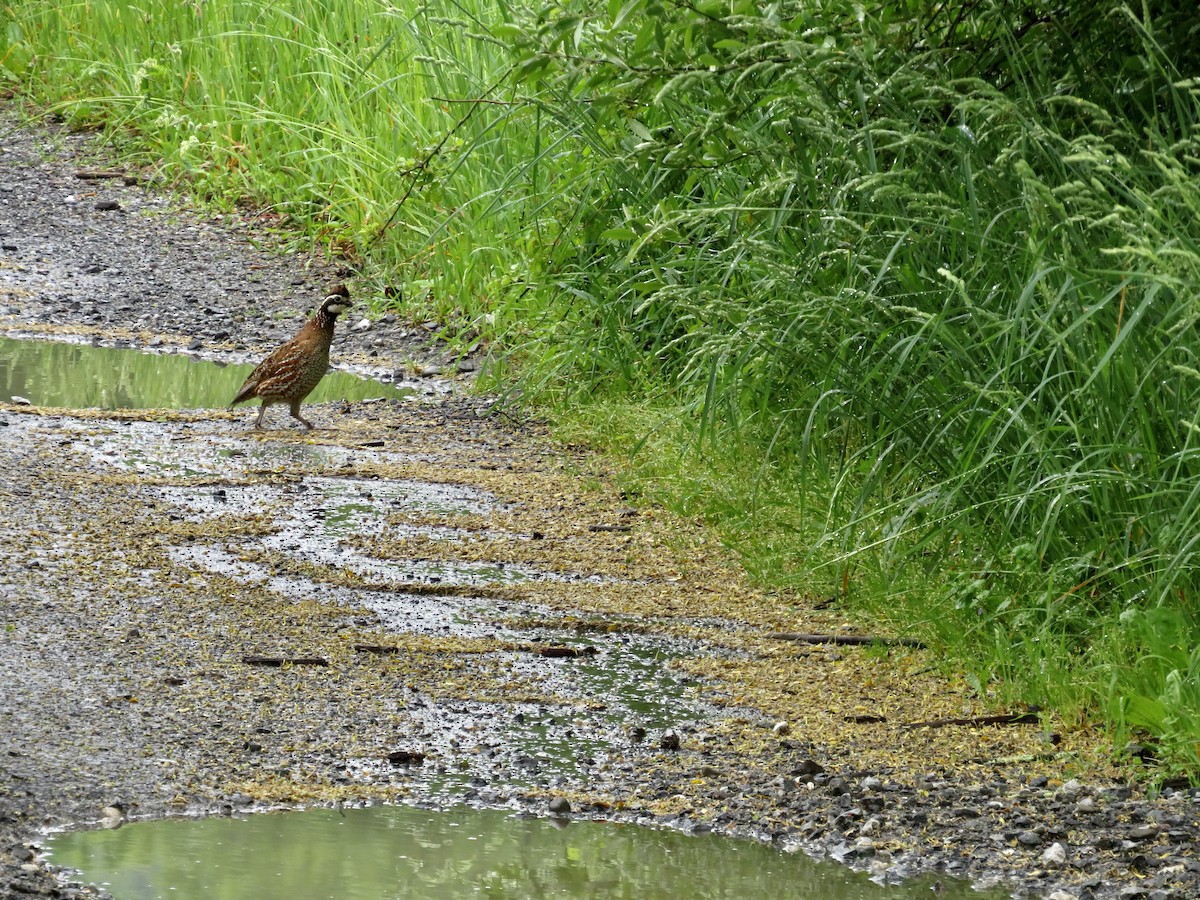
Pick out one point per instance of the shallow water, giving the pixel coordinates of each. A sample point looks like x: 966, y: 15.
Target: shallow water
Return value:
x: 80, y: 376
x: 404, y: 852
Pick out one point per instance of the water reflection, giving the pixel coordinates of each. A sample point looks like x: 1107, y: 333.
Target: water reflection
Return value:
x: 401, y: 852
x: 79, y: 376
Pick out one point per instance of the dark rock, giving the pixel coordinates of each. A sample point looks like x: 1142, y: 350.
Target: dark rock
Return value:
x: 837, y: 786
x: 406, y: 757
x: 560, y: 806
x: 1140, y: 752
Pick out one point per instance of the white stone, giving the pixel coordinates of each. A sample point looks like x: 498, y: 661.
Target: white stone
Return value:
x: 1054, y: 855
x: 869, y: 827
x: 864, y: 846
x: 1072, y: 788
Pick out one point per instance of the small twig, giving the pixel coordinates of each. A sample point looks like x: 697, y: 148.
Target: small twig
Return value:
x: 565, y: 652
x: 414, y: 171
x: 1025, y: 718
x: 98, y: 174
x: 475, y: 100
x: 276, y: 661
x: 375, y: 648
x: 109, y: 175
x: 848, y: 640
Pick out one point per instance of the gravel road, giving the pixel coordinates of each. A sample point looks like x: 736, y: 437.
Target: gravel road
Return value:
x: 416, y: 600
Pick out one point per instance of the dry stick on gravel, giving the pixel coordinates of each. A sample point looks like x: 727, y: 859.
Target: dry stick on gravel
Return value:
x: 98, y: 174
x: 280, y: 660
x: 1025, y: 718
x: 564, y: 652
x: 852, y: 640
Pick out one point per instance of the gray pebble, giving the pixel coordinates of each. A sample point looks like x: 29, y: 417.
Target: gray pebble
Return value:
x: 1054, y: 855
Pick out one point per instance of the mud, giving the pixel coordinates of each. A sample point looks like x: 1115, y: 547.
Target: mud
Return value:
x: 419, y: 601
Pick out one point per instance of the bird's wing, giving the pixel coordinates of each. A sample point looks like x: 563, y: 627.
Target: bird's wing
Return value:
x: 266, y: 373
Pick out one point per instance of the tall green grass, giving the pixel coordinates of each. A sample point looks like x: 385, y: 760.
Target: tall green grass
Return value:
x: 941, y: 263
x: 388, y: 134
x: 902, y: 295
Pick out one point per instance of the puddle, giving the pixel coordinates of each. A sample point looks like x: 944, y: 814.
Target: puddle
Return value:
x: 398, y: 611
x: 80, y: 376
x: 406, y: 852
x: 193, y: 450
x: 312, y: 515
x: 625, y: 682
x: 629, y: 684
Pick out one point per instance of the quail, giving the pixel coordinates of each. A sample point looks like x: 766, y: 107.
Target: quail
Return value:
x: 290, y: 373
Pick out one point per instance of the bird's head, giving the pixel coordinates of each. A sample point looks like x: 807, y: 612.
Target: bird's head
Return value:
x: 336, y: 302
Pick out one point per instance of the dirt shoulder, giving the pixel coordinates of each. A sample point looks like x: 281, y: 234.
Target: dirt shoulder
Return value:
x: 420, y: 601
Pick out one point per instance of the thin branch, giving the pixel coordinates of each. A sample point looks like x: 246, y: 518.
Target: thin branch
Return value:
x: 848, y: 640
x: 1025, y: 718
x: 424, y: 163
x: 476, y: 100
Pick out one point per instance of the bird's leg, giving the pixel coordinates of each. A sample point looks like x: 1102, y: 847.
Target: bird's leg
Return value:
x: 295, y: 407
x: 262, y: 411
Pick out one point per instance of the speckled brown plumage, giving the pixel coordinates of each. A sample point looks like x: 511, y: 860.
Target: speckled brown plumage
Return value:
x: 290, y: 373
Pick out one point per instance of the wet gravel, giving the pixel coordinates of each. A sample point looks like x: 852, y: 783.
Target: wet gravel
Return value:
x: 124, y: 262
x: 131, y: 606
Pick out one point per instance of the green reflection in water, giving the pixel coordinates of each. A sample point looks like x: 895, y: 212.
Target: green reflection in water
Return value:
x: 401, y: 852
x: 79, y: 376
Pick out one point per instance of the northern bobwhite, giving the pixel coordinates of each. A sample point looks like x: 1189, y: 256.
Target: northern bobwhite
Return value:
x: 290, y: 373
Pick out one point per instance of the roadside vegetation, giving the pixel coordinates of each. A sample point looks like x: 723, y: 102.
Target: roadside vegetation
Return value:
x: 902, y: 296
